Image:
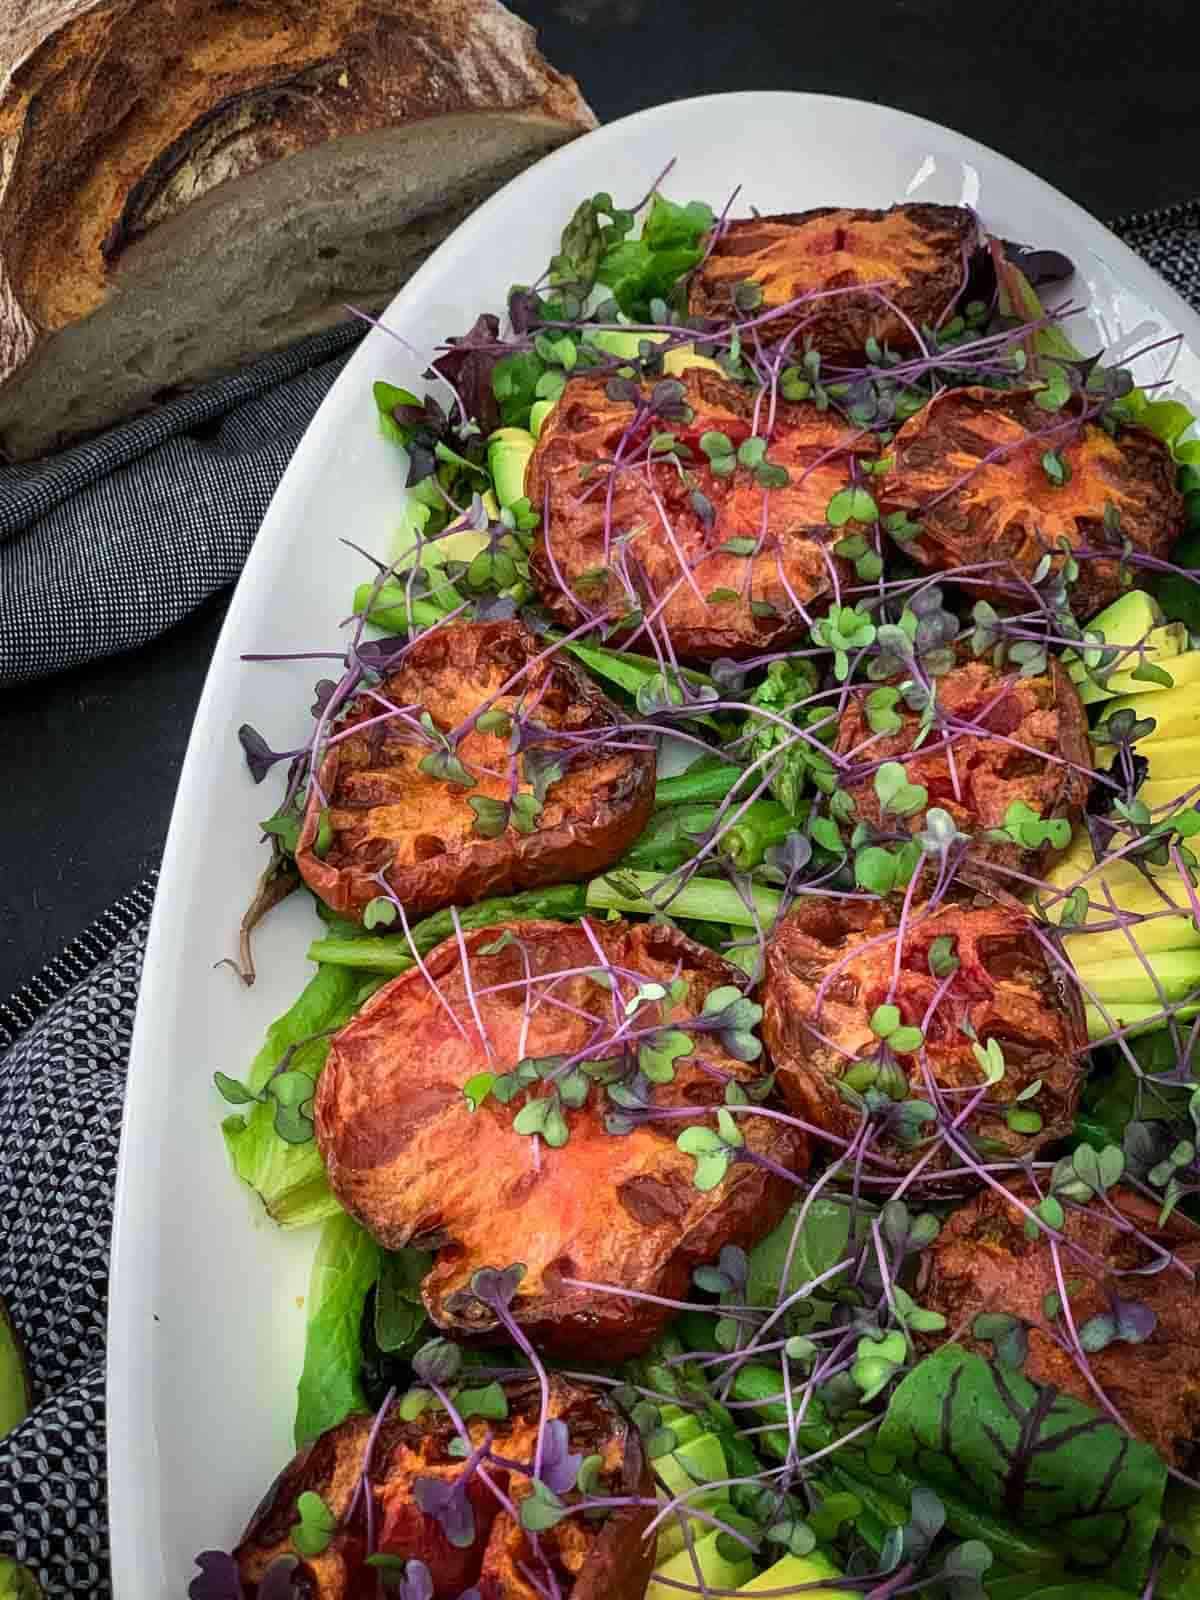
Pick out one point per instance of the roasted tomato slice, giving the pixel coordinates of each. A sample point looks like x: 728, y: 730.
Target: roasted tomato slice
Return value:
x: 983, y: 1261
x: 917, y: 254
x: 1036, y: 750
x: 968, y: 467
x: 830, y: 965
x: 606, y: 1560
x: 407, y: 1156
x: 629, y: 532
x: 419, y: 830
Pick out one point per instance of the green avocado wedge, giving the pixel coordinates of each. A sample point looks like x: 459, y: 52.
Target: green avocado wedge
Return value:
x: 14, y: 1377
x: 17, y: 1582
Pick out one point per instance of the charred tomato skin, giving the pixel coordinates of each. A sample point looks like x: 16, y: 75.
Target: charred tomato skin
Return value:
x: 983, y: 1261
x: 1042, y: 712
x: 1003, y: 987
x: 388, y: 816
x: 408, y: 1158
x: 1009, y: 509
x: 719, y: 612
x: 922, y: 251
x: 596, y: 1560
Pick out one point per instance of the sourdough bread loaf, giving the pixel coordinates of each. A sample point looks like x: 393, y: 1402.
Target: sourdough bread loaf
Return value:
x: 185, y: 184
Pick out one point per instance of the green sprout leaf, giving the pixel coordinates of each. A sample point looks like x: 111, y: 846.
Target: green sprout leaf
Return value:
x: 895, y: 793
x: 851, y: 505
x: 379, y: 912
x: 477, y: 1089
x: 315, y: 1529
x: 1057, y: 469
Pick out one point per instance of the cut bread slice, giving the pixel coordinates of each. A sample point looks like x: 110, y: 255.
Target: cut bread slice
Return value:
x: 184, y: 187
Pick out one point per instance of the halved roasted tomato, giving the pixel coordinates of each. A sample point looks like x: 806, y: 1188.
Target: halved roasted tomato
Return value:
x: 391, y: 818
x: 410, y: 1159
x: 916, y: 256
x: 589, y: 1560
x: 983, y: 1261
x: 968, y: 974
x: 1035, y: 750
x: 706, y: 552
x: 971, y: 469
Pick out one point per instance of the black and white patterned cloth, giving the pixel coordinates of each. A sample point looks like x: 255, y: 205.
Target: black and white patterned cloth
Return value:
x: 107, y: 544
x: 148, y: 519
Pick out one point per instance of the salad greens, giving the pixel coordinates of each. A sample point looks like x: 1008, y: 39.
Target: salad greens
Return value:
x: 966, y: 1425
x: 809, y: 1420
x: 345, y: 1269
x: 288, y: 1173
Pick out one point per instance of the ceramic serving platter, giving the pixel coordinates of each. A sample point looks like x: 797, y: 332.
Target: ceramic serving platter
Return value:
x: 207, y: 1301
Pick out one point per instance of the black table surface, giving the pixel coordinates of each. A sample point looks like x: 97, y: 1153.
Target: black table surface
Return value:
x: 1097, y: 96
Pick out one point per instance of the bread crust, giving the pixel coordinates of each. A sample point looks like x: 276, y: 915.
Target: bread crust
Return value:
x: 117, y: 114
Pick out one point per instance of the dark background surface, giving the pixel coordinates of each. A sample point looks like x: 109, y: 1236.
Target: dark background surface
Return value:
x: 1097, y: 97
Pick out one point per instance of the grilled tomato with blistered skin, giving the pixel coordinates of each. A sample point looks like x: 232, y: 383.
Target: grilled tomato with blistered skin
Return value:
x: 843, y: 952
x: 420, y: 830
x: 592, y: 467
x: 983, y: 1261
x: 918, y: 254
x: 987, y: 773
x: 606, y: 1560
x: 1011, y: 509
x: 408, y: 1157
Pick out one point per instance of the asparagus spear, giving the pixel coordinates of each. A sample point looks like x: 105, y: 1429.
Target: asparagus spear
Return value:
x: 392, y: 953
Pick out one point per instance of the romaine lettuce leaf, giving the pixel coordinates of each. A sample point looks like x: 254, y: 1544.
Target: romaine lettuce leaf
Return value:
x: 648, y: 268
x: 290, y: 1178
x: 344, y: 1268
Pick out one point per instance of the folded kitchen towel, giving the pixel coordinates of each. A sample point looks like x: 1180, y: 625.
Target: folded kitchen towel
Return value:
x: 108, y: 543
x: 100, y: 549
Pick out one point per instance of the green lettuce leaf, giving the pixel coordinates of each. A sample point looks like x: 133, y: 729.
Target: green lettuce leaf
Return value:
x: 648, y: 268
x: 1038, y: 1457
x: 399, y: 1310
x: 290, y: 1178
x: 785, y: 685
x: 1180, y: 1575
x: 824, y: 1241
x: 344, y: 1268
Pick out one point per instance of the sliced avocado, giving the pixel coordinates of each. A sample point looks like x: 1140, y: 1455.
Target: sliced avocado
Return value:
x: 17, y: 1582
x: 509, y: 450
x: 685, y: 1425
x: 792, y: 1571
x: 15, y: 1393
x: 1130, y: 618
x: 1176, y: 712
x: 1163, y: 648
x: 698, y: 1461
x: 692, y: 1462
x: 538, y: 413
x: 676, y: 362
x: 718, y: 1571
x: 615, y: 342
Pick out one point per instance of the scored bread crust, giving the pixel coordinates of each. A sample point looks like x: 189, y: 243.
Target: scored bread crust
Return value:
x: 118, y: 116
